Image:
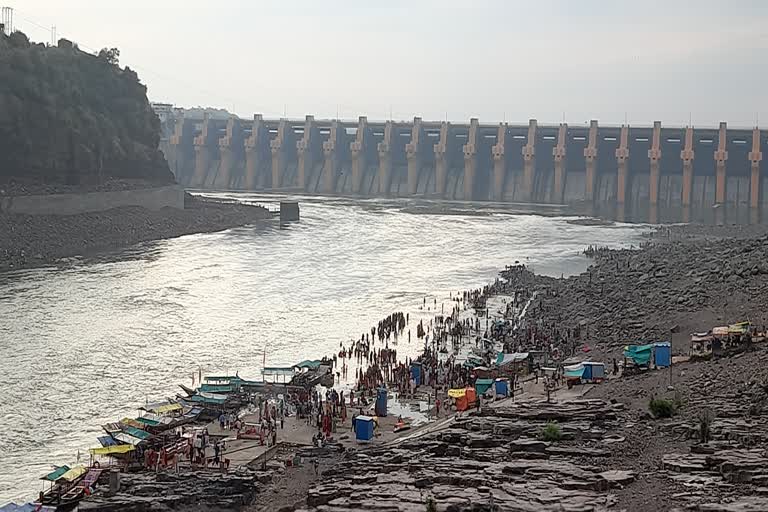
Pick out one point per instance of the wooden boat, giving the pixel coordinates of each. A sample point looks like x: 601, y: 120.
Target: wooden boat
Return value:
x: 66, y: 491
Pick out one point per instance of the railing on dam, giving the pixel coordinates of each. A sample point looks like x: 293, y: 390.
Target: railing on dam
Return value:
x: 627, y: 169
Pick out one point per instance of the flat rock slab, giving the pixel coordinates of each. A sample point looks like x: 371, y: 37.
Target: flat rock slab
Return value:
x: 748, y: 504
x: 615, y: 476
x: 485, y: 459
x: 528, y: 445
x: 577, y: 451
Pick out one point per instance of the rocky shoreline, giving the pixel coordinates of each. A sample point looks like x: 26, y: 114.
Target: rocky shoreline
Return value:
x: 684, y: 279
x: 28, y: 241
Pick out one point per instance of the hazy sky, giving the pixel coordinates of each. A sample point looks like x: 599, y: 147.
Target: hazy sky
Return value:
x: 491, y: 59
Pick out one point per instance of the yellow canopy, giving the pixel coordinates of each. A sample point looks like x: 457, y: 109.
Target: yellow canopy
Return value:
x: 74, y: 473
x: 457, y: 393
x: 113, y: 450
x: 166, y: 408
x: 132, y: 423
x: 738, y: 328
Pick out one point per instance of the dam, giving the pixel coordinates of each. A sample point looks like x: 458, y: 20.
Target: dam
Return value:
x: 643, y: 173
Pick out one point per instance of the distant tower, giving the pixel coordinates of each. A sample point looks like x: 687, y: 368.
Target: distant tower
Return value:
x: 6, y: 20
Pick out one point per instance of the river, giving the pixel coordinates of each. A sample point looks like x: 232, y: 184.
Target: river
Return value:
x: 90, y: 341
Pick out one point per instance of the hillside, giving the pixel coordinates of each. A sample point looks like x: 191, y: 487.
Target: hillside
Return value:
x: 69, y: 119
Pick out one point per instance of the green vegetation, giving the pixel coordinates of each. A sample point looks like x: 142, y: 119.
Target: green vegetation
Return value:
x: 431, y: 504
x: 662, y: 407
x: 551, y: 433
x: 69, y: 117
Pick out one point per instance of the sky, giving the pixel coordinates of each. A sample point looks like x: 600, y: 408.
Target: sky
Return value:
x: 676, y: 61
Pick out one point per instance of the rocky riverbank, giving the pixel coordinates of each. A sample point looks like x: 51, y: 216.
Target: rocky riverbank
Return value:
x: 37, y: 240
x: 686, y: 279
x: 490, y: 460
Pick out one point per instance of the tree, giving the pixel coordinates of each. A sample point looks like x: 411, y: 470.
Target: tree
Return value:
x: 19, y: 40
x: 111, y: 55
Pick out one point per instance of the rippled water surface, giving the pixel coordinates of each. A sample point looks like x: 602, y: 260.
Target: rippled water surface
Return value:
x: 90, y: 342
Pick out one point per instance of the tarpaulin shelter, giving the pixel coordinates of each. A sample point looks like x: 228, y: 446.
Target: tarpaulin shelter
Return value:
x: 662, y: 354
x: 739, y: 328
x: 701, y: 343
x: 593, y: 372
x: 473, y: 361
x: 639, y: 354
x: 364, y: 428
x: 483, y: 385
x: 483, y: 372
x: 503, y: 359
x: 381, y: 402
x: 575, y: 371
x: 467, y: 400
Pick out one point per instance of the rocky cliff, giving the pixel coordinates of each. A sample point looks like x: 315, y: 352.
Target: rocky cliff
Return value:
x: 72, y: 119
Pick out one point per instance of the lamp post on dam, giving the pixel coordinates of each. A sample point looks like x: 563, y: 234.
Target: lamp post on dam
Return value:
x: 643, y: 173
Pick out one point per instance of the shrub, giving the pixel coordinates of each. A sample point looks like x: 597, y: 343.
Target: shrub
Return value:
x: 662, y: 407
x: 431, y: 504
x: 551, y: 432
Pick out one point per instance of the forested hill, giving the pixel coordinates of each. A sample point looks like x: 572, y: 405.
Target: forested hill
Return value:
x: 73, y: 119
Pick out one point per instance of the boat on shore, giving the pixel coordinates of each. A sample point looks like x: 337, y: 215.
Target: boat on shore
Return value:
x: 68, y: 487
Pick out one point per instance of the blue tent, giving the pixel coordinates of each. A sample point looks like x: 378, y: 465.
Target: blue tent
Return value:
x: 364, y: 428
x: 662, y: 354
x: 593, y: 371
x: 639, y: 354
x: 381, y: 402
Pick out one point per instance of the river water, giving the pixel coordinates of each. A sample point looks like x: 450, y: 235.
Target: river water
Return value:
x: 92, y: 340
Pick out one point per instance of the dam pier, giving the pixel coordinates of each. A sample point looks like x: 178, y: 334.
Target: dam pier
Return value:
x: 640, y: 173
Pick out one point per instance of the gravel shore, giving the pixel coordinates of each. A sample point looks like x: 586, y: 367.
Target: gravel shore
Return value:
x: 31, y: 241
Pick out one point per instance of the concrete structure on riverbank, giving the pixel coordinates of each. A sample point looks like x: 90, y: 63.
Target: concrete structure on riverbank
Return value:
x: 650, y: 173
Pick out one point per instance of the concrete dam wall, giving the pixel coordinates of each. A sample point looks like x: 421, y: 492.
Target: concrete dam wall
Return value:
x: 648, y: 173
